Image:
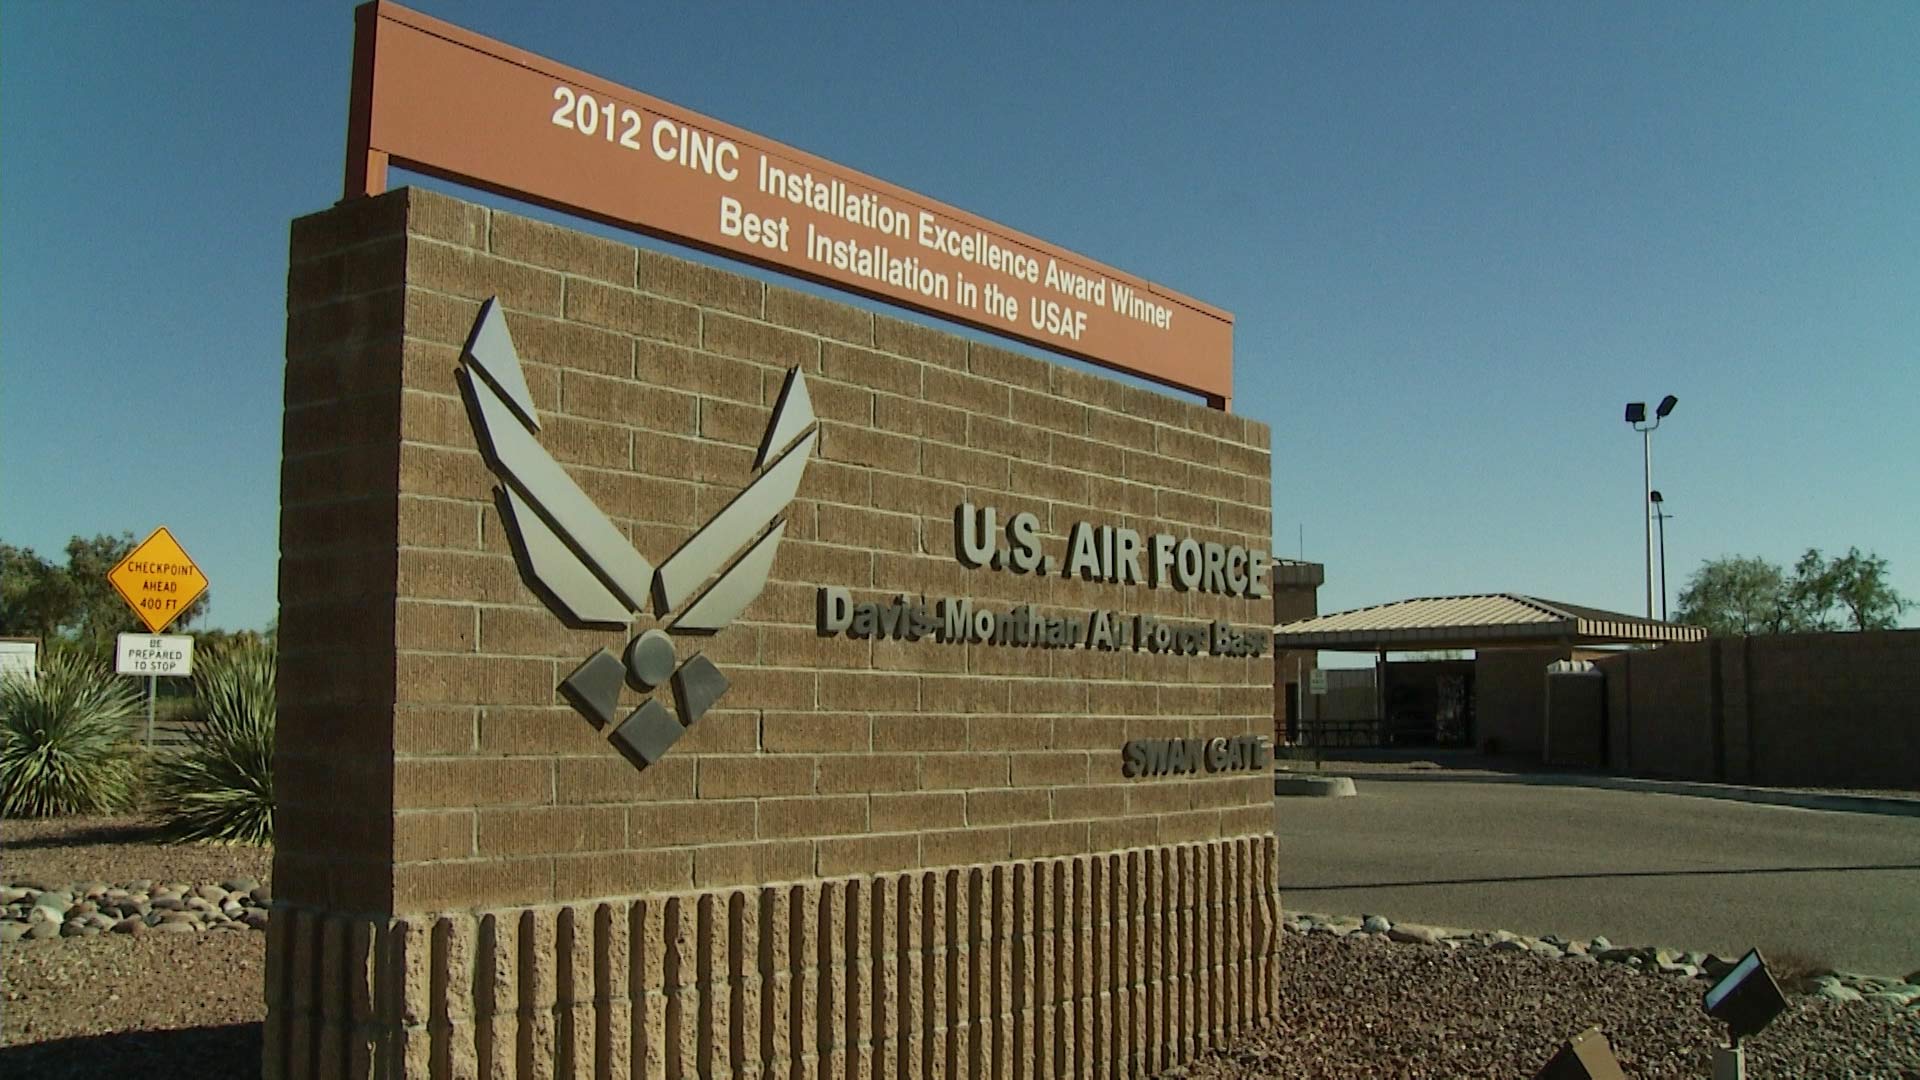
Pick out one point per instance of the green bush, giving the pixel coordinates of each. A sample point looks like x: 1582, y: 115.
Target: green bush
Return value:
x: 220, y: 787
x: 64, y: 745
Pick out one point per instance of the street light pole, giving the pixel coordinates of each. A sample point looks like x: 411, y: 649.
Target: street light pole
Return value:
x: 1660, y: 515
x: 1637, y: 416
x: 1646, y: 462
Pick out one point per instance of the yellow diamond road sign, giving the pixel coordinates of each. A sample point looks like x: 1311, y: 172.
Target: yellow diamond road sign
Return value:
x: 158, y: 580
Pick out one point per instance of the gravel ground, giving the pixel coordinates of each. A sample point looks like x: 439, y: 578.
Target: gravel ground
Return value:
x: 88, y: 1007
x: 1365, y: 1007
x: 1357, y: 1006
x: 62, y: 851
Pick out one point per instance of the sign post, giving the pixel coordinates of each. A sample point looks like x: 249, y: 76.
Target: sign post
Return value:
x: 159, y: 581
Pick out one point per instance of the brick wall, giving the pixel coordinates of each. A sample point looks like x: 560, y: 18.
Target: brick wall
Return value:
x: 1832, y: 709
x: 1296, y: 596
x: 1510, y: 697
x: 428, y: 763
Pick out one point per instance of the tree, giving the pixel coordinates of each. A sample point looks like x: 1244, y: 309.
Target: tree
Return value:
x: 1858, y: 584
x: 1746, y: 595
x: 73, y: 604
x: 1735, y: 595
x: 35, y: 595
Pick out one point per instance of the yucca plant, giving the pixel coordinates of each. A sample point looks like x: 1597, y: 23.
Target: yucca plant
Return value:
x: 220, y: 787
x: 64, y: 746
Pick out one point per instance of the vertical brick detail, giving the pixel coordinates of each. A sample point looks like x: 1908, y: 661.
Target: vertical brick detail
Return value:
x: 1066, y: 967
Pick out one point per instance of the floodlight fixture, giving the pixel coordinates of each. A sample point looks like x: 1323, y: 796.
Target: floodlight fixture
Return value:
x: 1586, y: 1056
x: 1656, y: 498
x: 1637, y: 416
x: 1746, y: 998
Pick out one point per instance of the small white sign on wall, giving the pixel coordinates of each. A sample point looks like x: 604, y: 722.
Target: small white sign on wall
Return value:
x: 19, y: 656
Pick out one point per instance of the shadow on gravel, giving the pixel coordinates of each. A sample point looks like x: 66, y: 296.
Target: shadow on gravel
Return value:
x: 1602, y: 876
x: 232, y: 1050
x: 123, y: 832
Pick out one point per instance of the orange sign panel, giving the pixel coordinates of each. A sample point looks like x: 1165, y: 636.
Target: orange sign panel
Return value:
x: 158, y: 580
x: 441, y: 100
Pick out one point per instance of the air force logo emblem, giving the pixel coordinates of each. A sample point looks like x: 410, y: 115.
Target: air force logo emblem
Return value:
x: 590, y: 575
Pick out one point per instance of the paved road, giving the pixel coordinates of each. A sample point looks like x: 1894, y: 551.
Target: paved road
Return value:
x: 1642, y: 869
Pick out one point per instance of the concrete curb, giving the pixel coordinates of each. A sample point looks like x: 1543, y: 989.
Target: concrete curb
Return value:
x: 1285, y: 783
x: 1804, y: 800
x: 1892, y: 805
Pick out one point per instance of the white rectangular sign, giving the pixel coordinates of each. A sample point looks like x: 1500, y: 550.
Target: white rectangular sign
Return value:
x: 154, y: 654
x: 1317, y: 681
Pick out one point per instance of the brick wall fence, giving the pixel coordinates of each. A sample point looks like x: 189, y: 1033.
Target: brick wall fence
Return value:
x: 1830, y: 710
x: 870, y: 855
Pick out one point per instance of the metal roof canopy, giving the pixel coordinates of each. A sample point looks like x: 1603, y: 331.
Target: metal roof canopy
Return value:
x: 1482, y: 621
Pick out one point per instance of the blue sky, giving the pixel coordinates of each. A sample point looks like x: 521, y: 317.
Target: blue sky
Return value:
x: 1456, y: 239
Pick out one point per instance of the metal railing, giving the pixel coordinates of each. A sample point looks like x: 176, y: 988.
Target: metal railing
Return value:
x: 1341, y: 733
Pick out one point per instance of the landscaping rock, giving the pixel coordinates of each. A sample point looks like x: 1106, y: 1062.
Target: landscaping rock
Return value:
x: 1414, y: 933
x: 1831, y: 988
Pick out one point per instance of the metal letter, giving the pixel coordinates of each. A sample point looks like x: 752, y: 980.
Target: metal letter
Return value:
x: 836, y: 609
x: 1083, y: 554
x: 973, y: 534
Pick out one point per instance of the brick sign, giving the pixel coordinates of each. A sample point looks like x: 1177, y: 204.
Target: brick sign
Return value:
x: 438, y: 99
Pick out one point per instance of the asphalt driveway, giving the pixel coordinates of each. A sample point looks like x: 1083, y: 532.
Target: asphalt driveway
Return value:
x: 1486, y: 852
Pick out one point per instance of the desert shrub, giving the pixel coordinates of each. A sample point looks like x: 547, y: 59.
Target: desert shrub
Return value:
x: 64, y: 745
x: 220, y: 786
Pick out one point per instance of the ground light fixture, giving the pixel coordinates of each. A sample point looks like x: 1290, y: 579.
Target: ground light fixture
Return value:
x: 1586, y: 1056
x: 1746, y: 999
x: 1637, y: 416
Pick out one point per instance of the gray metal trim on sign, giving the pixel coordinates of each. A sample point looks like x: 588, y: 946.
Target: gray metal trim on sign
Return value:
x: 585, y: 568
x: 747, y: 514
x: 541, y: 479
x: 491, y: 349
x: 570, y: 581
x: 792, y: 414
x: 729, y: 596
